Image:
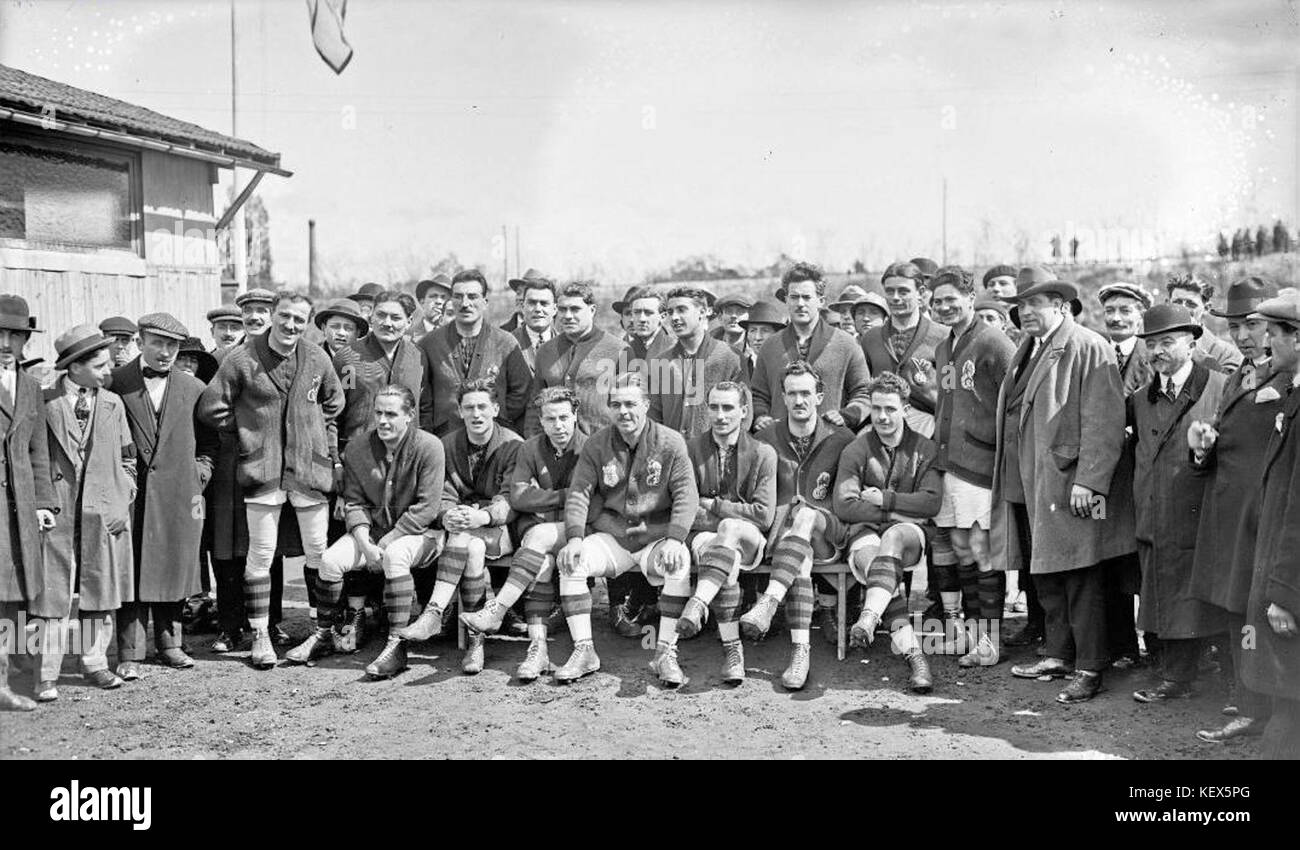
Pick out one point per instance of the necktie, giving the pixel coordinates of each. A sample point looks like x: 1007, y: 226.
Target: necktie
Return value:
x: 1169, y: 392
x: 82, y: 408
x: 1119, y: 355
x: 150, y: 372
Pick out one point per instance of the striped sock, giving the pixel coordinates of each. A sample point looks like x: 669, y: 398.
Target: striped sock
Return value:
x: 992, y: 587
x: 969, y: 576
x: 473, y: 590
x: 523, y: 572
x: 799, y: 608
x: 397, y: 601
x: 575, y: 602
x: 725, y: 608
x: 539, y: 602
x: 451, y: 567
x: 671, y: 603
x: 716, y: 564
x: 328, y: 594
x: 257, y: 602
x: 787, y: 561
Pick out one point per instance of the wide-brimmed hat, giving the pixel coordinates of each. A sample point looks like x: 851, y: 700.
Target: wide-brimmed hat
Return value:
x: 164, y: 324
x: 1031, y: 280
x: 1013, y: 312
x: 1284, y: 307
x: 15, y: 315
x: 192, y: 346
x: 873, y: 299
x: 521, y: 282
x: 118, y: 325
x: 255, y: 296
x: 367, y: 292
x: 734, y: 299
x: 1245, y: 296
x: 438, y: 281
x: 1168, y: 318
x: 225, y: 313
x: 346, y: 308
x: 77, y: 342
x: 927, y: 266
x: 848, y: 296
x: 765, y: 313
x: 1124, y: 288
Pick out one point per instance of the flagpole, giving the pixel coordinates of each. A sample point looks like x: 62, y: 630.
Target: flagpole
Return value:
x: 237, y: 237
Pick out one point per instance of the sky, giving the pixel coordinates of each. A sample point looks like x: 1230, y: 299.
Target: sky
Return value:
x: 620, y: 137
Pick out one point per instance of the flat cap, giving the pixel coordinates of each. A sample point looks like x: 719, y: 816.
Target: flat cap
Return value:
x: 164, y: 324
x: 225, y: 313
x: 1130, y: 290
x: 1284, y: 308
x: 117, y: 325
x: 999, y: 271
x: 256, y: 296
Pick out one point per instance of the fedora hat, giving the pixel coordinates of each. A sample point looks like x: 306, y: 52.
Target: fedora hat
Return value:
x: 849, y: 296
x: 192, y: 346
x: 346, y: 308
x: 438, y: 281
x: 367, y: 292
x: 627, y: 299
x: 1013, y: 312
x: 1167, y: 318
x: 1031, y: 280
x: 1129, y: 290
x: 517, y: 283
x: 1245, y: 296
x: 75, y: 343
x: 16, y: 316
x: 927, y: 266
x: 765, y: 313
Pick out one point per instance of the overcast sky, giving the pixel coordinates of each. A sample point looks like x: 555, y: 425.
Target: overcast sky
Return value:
x: 621, y: 136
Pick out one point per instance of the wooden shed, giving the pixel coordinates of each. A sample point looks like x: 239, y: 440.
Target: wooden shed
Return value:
x: 107, y: 208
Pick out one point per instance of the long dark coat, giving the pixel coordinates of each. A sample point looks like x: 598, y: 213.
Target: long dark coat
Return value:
x: 174, y: 456
x: 25, y: 470
x: 1167, y: 497
x: 1271, y: 664
x: 1069, y: 430
x: 1225, y: 542
x: 94, y: 482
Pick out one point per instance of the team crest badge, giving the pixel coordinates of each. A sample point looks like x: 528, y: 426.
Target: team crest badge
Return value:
x: 822, y: 490
x: 968, y: 375
x: 1249, y: 381
x: 315, y: 387
x: 654, y: 473
x: 610, y: 474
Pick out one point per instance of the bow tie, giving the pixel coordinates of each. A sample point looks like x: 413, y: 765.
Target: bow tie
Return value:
x: 150, y: 372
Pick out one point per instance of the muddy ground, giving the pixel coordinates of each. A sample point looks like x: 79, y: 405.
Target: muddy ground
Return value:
x: 858, y: 708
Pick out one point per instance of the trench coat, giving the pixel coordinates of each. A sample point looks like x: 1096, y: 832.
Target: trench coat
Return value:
x: 1167, y: 498
x: 174, y: 455
x: 94, y: 483
x: 1225, y: 541
x: 1069, y: 430
x: 25, y: 474
x: 1271, y: 664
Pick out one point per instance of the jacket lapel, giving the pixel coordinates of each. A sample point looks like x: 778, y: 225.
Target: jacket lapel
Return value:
x: 262, y: 348
x: 922, y: 331
x: 1051, y: 352
x: 135, y: 396
x: 1190, y: 394
x: 60, y: 421
x: 820, y: 337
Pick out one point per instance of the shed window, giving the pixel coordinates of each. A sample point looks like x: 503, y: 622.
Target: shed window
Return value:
x: 70, y: 196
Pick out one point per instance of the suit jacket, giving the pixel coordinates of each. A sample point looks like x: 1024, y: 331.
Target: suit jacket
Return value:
x: 838, y: 359
x: 526, y: 347
x: 496, y: 356
x: 1061, y: 422
x: 364, y: 370
x: 25, y: 470
x: 89, y: 550
x: 174, y: 458
x: 755, y: 482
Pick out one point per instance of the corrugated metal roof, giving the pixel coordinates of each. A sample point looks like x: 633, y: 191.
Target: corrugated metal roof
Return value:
x: 26, y: 92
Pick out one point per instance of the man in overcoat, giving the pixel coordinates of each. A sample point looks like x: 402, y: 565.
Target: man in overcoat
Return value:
x: 27, y: 501
x: 92, y: 464
x: 1167, y: 498
x: 174, y: 456
x: 1060, y: 433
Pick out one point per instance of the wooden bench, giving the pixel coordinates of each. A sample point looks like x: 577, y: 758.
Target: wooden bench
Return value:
x: 839, y: 571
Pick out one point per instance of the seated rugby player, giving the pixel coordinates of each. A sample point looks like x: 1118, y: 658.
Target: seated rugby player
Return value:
x: 888, y: 491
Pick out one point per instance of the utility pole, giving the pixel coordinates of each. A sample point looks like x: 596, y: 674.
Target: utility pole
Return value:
x: 945, y: 221
x: 518, y: 265
x: 505, y: 255
x: 238, y: 248
x: 311, y: 257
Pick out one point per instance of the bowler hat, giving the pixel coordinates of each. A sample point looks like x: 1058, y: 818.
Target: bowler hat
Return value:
x: 225, y: 313
x: 765, y: 313
x: 518, y: 283
x: 1031, y: 280
x: 1168, y: 318
x: 1130, y: 290
x: 15, y: 315
x: 118, y: 325
x: 849, y: 296
x: 163, y: 324
x: 77, y: 342
x: 367, y: 292
x: 439, y: 281
x: 255, y: 296
x: 192, y: 346
x: 1284, y: 307
x: 346, y: 308
x: 1245, y: 296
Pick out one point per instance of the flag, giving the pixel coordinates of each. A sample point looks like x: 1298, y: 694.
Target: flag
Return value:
x: 327, y: 32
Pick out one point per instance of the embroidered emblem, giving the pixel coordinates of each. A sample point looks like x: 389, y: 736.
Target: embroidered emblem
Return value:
x: 968, y: 375
x: 610, y: 473
x: 1266, y: 395
x: 823, y: 487
x: 654, y: 473
x: 315, y: 386
x: 1249, y: 381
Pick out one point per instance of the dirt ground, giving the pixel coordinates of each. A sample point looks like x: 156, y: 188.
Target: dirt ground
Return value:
x: 858, y: 708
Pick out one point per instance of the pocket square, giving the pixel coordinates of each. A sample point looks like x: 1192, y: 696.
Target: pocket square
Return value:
x: 1266, y: 395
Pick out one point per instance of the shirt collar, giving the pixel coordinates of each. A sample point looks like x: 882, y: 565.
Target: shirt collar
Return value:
x: 1179, y: 378
x: 1126, y: 347
x: 73, y: 390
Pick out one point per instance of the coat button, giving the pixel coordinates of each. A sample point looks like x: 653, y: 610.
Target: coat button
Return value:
x: 58, y: 476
